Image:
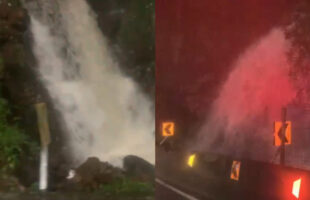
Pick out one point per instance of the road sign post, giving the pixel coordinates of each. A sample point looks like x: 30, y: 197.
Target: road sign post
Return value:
x: 282, y: 147
x: 162, y: 142
x: 45, y: 141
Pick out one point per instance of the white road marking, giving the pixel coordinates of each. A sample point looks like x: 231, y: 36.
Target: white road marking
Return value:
x: 183, y: 194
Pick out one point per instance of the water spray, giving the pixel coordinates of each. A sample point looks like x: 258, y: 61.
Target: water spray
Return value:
x: 242, y: 115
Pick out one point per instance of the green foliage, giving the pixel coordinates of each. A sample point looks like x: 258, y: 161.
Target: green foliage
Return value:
x: 13, y: 141
x: 14, y: 3
x: 136, y: 36
x: 138, y: 31
x: 34, y: 187
x: 1, y: 66
x: 127, y: 187
x: 298, y: 33
x: 130, y: 29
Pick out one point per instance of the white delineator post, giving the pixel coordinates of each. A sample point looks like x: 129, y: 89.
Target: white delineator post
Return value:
x: 43, y: 169
x: 45, y: 141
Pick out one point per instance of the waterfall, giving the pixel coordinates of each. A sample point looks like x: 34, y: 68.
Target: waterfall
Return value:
x: 105, y: 113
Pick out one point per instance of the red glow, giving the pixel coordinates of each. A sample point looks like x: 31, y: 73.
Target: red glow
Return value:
x: 256, y: 90
x: 296, y: 188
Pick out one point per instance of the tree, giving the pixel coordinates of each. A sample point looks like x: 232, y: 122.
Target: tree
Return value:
x: 298, y: 33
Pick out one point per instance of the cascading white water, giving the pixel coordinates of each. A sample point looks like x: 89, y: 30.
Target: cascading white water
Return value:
x: 105, y: 113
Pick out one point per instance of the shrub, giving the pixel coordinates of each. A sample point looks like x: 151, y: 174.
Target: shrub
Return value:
x: 127, y: 187
x: 14, y: 143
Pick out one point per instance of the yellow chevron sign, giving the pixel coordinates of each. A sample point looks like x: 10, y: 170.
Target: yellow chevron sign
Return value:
x: 235, y: 170
x: 168, y: 129
x: 278, y: 133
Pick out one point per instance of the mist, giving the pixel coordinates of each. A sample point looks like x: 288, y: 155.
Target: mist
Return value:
x: 250, y: 100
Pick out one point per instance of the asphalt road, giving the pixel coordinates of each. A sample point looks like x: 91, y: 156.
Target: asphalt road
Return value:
x: 165, y: 191
x: 210, y: 179
x: 175, y: 180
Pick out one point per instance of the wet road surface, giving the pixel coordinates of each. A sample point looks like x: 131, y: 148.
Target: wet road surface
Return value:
x: 165, y: 191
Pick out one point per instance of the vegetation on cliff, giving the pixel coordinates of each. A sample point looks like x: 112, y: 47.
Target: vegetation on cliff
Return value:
x: 126, y: 187
x: 130, y: 28
x: 15, y: 143
x: 298, y: 32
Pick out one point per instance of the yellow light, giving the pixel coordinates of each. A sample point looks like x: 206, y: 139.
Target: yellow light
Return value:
x: 296, y: 188
x: 191, y: 160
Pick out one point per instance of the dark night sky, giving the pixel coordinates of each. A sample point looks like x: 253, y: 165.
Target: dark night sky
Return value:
x: 196, y: 43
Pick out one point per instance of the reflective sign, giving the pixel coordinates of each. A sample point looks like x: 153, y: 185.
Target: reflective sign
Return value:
x: 278, y: 133
x: 296, y: 188
x: 191, y: 160
x: 168, y: 129
x: 235, y: 170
